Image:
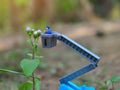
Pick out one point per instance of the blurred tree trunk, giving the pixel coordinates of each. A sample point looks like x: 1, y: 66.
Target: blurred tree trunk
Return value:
x: 42, y: 9
x: 14, y: 17
x: 106, y: 6
x: 88, y: 12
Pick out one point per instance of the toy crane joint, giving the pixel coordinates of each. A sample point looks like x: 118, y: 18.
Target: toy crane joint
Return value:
x: 49, y: 40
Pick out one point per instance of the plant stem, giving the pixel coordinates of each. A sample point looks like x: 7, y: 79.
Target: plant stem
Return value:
x: 33, y: 79
x: 113, y: 88
x: 33, y: 57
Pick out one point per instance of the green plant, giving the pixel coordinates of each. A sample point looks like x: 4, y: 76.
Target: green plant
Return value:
x: 29, y: 65
x: 108, y: 84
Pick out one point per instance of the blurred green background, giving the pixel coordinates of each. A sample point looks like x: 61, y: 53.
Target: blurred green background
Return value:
x: 93, y: 23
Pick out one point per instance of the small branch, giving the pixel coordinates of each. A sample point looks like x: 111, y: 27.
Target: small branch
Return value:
x: 11, y: 71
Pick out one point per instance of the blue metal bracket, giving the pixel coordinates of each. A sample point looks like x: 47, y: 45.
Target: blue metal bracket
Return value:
x: 49, y: 40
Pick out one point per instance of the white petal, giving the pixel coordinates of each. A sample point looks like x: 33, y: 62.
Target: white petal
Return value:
x: 35, y: 32
x: 39, y: 31
x: 28, y: 28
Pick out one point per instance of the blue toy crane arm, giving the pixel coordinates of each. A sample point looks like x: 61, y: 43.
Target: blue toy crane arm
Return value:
x: 49, y: 39
x: 93, y: 58
x: 77, y: 73
x: 80, y: 50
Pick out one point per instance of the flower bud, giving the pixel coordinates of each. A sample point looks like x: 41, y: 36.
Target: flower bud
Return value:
x: 35, y: 34
x: 39, y: 32
x: 29, y: 31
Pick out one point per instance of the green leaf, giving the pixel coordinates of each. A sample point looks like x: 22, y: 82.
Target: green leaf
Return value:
x: 10, y: 71
x: 0, y: 80
x: 98, y: 83
x: 29, y: 66
x: 107, y: 83
x: 103, y: 88
x: 26, y: 86
x: 37, y: 83
x: 115, y: 79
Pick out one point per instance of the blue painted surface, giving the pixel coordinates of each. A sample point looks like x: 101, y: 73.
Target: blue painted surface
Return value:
x: 72, y: 86
x: 64, y: 87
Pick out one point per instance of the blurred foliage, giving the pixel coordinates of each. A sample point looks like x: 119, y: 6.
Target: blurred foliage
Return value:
x: 64, y: 11
x: 11, y: 85
x: 109, y: 84
x: 4, y: 13
x: 21, y: 2
x: 115, y: 12
x: 103, y: 8
x: 11, y: 59
x: 38, y: 25
x: 67, y: 6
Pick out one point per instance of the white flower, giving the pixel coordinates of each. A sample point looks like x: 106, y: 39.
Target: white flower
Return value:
x: 28, y: 28
x: 35, y: 32
x: 39, y: 31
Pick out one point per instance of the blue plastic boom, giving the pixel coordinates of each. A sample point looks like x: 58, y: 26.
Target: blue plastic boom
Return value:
x: 49, y: 39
